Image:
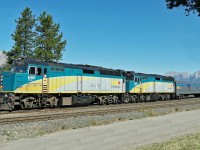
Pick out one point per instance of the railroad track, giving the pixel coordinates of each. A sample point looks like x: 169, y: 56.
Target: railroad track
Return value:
x: 97, y: 111
x: 82, y: 108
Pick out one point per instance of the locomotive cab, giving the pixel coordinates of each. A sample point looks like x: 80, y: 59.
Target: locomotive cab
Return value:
x: 27, y: 78
x: 16, y: 76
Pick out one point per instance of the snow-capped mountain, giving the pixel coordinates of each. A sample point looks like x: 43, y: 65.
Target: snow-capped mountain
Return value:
x: 184, y: 76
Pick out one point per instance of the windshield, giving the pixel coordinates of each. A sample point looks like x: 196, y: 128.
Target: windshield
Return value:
x: 19, y: 69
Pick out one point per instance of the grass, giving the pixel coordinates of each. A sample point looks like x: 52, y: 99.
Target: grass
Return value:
x: 177, y: 109
x: 94, y: 123
x: 188, y: 142
x: 148, y: 112
x: 153, y: 113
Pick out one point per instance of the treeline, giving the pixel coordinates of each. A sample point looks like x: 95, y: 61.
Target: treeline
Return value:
x: 38, y: 38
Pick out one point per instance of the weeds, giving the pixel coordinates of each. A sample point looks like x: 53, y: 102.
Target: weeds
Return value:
x: 188, y: 142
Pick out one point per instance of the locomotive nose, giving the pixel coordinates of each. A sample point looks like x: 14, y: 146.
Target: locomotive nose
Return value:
x: 8, y: 80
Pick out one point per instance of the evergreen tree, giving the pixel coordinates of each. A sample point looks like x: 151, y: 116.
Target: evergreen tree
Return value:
x: 24, y: 36
x: 49, y: 44
x: 189, y: 5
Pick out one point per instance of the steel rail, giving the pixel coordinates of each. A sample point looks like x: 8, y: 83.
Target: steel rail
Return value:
x: 72, y: 108
x: 63, y: 115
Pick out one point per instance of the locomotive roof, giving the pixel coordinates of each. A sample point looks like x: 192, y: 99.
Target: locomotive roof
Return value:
x: 65, y: 65
x: 89, y: 67
x: 154, y: 75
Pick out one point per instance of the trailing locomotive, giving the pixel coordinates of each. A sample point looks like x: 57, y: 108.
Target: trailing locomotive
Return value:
x: 35, y: 84
x: 149, y: 87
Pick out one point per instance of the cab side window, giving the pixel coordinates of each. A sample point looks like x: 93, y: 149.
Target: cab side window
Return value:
x: 45, y: 70
x: 32, y: 70
x: 39, y: 71
x: 136, y: 79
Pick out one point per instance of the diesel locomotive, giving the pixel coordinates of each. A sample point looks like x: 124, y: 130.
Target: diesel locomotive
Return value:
x: 37, y: 84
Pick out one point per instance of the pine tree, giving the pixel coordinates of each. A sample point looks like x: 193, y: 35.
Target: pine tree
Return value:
x: 189, y: 5
x: 24, y: 36
x: 49, y: 44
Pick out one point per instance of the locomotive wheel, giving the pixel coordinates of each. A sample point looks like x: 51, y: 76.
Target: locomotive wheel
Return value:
x: 109, y: 100
x: 168, y: 97
x: 180, y: 97
x: 133, y: 99
x: 142, y: 98
x: 22, y: 105
x: 115, y: 99
x: 162, y: 98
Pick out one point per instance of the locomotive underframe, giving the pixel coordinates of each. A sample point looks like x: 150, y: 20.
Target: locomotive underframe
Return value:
x: 28, y: 101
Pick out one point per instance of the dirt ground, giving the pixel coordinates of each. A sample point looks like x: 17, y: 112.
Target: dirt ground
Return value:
x: 119, y: 136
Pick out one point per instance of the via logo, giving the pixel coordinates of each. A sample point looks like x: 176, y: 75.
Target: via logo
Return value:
x: 31, y: 78
x: 116, y: 83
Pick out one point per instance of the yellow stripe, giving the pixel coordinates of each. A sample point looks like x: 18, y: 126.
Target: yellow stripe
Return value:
x: 55, y: 83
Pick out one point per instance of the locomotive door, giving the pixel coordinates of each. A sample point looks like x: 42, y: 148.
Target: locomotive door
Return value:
x: 79, y: 83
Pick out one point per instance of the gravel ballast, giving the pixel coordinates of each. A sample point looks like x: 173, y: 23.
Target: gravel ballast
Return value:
x: 32, y: 129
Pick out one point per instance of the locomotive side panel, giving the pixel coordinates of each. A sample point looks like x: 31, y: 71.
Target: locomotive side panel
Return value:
x: 152, y: 87
x: 85, y: 84
x: 169, y: 87
x: 75, y: 80
x: 148, y: 87
x: 164, y: 87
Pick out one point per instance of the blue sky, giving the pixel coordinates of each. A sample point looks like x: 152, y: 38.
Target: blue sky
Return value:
x: 130, y: 34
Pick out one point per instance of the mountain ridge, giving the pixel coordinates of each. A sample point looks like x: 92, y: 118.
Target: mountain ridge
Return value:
x: 184, y: 76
